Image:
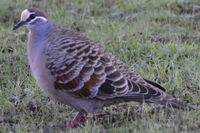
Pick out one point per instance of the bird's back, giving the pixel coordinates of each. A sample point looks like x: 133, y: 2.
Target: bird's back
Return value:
x: 83, y: 67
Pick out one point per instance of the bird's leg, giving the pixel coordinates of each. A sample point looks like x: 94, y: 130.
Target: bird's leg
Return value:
x: 81, y: 117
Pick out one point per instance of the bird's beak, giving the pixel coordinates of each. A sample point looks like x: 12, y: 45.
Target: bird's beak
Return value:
x: 19, y: 24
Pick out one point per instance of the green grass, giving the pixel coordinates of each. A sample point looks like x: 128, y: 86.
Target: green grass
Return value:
x: 160, y: 39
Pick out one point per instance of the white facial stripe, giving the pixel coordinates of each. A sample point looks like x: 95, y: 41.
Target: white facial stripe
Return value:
x: 38, y: 17
x: 25, y: 15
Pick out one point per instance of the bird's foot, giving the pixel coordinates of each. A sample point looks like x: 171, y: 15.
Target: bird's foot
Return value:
x: 78, y: 119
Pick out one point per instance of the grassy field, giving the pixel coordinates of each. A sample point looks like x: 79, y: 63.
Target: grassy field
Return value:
x: 158, y: 38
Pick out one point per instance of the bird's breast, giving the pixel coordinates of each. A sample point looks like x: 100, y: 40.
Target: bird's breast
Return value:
x: 37, y: 62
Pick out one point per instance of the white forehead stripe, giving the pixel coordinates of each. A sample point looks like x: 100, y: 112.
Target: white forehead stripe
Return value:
x: 38, y: 17
x: 25, y: 15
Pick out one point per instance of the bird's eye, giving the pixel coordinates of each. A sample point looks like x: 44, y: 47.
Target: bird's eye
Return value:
x: 32, y: 16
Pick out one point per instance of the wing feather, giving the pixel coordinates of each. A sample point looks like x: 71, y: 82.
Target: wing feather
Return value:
x: 85, y: 69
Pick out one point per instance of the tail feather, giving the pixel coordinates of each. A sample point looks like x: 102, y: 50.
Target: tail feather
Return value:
x: 167, y: 101
x: 170, y: 101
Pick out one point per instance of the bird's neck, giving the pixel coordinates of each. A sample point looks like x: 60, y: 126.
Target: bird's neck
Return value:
x: 36, y: 41
x: 37, y: 35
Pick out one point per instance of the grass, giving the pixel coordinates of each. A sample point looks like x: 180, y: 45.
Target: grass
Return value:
x: 160, y: 39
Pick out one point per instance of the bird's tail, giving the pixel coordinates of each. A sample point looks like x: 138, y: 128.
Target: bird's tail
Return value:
x: 170, y: 101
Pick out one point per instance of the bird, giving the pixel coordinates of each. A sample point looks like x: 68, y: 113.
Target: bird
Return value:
x: 79, y: 72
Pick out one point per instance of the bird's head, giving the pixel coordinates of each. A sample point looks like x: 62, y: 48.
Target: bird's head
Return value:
x: 32, y: 19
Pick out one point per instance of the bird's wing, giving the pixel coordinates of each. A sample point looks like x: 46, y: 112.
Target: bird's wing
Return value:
x: 82, y: 68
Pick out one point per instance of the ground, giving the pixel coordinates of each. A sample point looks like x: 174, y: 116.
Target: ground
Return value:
x: 160, y: 39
